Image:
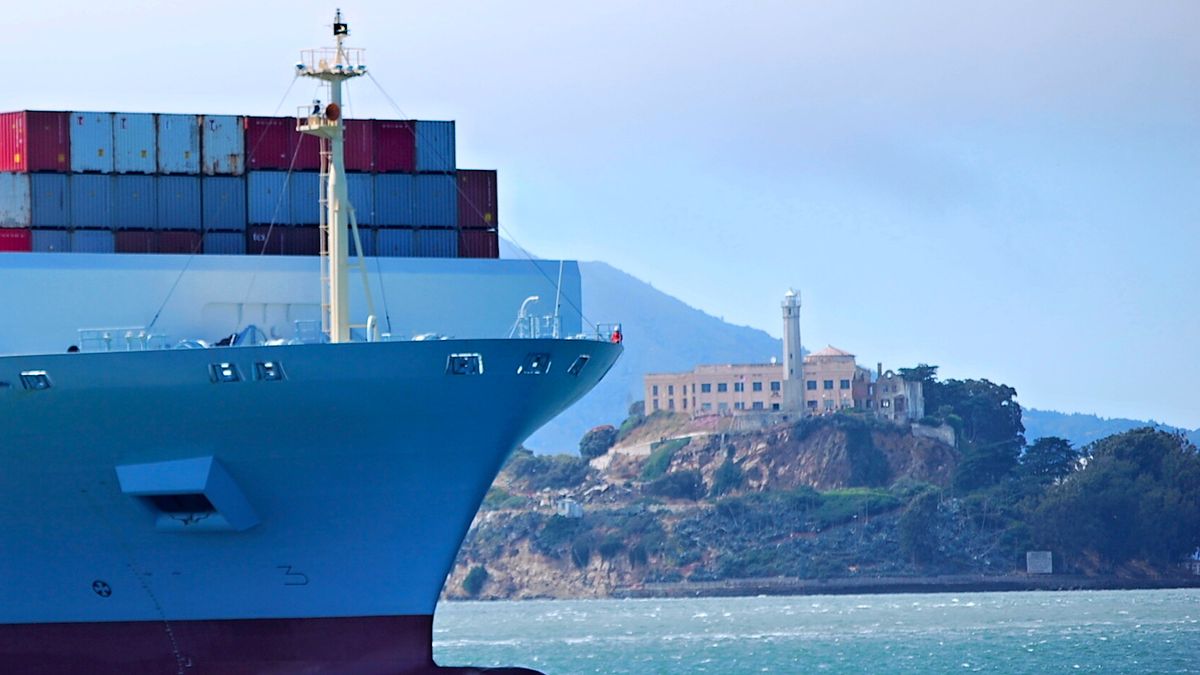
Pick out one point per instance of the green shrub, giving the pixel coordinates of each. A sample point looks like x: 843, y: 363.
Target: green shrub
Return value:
x: 474, y: 581
x: 498, y: 498
x: 727, y: 478
x: 678, y: 485
x: 609, y: 547
x: 660, y: 458
x: 597, y: 441
x: 536, y: 472
x: 918, y: 528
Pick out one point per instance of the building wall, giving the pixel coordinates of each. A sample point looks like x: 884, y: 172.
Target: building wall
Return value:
x: 828, y: 383
x: 716, y: 389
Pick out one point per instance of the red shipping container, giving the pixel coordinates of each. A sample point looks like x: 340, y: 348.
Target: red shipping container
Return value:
x: 16, y: 241
x: 395, y: 146
x: 360, y: 145
x: 179, y: 242
x: 35, y: 141
x: 269, y: 142
x: 277, y: 240
x: 478, y: 244
x: 477, y: 199
x: 136, y: 241
x: 308, y: 151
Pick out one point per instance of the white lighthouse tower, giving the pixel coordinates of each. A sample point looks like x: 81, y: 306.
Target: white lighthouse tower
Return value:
x: 793, y: 358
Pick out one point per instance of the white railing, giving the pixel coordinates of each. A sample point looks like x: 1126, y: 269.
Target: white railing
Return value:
x: 129, y: 339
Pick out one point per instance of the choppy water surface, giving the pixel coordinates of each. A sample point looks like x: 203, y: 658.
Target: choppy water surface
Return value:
x: 1110, y: 631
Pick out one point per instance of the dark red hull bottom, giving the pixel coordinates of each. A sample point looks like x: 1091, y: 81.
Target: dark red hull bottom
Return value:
x: 381, y: 645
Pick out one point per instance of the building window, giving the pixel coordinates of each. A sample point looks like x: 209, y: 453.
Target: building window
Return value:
x: 706, y: 388
x: 684, y: 403
x: 722, y: 407
x: 670, y: 390
x: 828, y: 404
x: 844, y: 384
x: 654, y: 390
x: 656, y: 404
x: 670, y: 404
x: 812, y: 404
x: 721, y: 386
x: 757, y: 405
x: 739, y: 405
x: 827, y: 384
x: 756, y: 386
x: 774, y: 406
x: 885, y: 403
x: 739, y: 386
x: 706, y: 406
x: 811, y: 385
x: 775, y: 386
x: 693, y: 387
x: 869, y: 404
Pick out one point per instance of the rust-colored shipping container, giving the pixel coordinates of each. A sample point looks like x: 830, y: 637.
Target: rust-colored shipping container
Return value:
x: 307, y: 149
x: 478, y: 244
x: 395, y: 146
x: 15, y: 240
x: 269, y: 142
x: 477, y: 199
x: 136, y: 241
x: 360, y: 145
x: 35, y: 141
x: 279, y: 240
x: 179, y: 242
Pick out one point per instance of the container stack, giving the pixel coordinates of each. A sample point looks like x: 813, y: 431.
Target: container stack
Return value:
x: 221, y: 184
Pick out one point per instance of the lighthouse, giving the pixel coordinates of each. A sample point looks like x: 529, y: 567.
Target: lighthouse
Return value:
x: 793, y: 357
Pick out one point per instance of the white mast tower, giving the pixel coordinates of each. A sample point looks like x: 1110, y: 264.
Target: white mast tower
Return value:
x: 793, y: 356
x: 334, y: 66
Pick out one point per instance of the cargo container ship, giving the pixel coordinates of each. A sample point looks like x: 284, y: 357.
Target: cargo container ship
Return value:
x: 284, y: 490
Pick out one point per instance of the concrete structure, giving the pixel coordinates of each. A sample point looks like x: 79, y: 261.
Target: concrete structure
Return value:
x: 820, y: 383
x: 1039, y: 562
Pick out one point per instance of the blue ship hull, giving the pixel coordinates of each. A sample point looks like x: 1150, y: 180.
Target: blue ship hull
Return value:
x: 319, y: 495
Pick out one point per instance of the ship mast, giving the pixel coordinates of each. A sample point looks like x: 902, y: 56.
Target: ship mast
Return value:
x: 334, y: 66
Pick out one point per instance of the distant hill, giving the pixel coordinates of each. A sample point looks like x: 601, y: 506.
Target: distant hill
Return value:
x: 662, y: 334
x: 1081, y: 429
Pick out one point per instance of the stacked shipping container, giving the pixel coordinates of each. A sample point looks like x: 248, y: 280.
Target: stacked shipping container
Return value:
x: 145, y: 183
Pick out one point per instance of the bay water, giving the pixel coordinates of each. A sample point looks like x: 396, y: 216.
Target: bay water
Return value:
x: 1025, y: 632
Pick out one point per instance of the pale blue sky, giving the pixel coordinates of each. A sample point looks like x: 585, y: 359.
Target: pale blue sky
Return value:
x: 1010, y: 190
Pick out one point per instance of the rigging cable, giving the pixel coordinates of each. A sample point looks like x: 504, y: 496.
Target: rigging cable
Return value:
x: 196, y: 249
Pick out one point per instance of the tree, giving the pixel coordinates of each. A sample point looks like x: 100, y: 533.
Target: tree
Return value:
x: 474, y: 581
x: 987, y: 419
x: 677, y: 485
x: 1049, y: 458
x: 922, y: 372
x: 1137, y: 498
x: 597, y: 441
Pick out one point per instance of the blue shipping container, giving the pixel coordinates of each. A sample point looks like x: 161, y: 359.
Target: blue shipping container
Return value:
x: 393, y: 199
x: 33, y: 200
x: 91, y: 141
x: 16, y: 204
x: 51, y: 199
x: 435, y: 146
x: 224, y: 243
x: 51, y: 241
x: 135, y: 202
x: 222, y: 145
x: 361, y: 188
x: 367, y: 237
x: 435, y: 243
x: 179, y: 202
x: 134, y: 143
x: 91, y: 201
x: 267, y: 198
x: 305, y: 193
x: 435, y: 200
x: 178, y: 144
x: 224, y: 203
x: 394, y: 243
x: 92, y: 241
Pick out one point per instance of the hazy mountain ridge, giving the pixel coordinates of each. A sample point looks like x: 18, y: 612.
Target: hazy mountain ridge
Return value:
x: 1083, y: 428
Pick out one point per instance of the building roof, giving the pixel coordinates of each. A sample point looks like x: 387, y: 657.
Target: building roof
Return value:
x: 830, y: 350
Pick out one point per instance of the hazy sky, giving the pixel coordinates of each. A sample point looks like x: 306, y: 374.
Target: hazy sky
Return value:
x: 1010, y: 190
